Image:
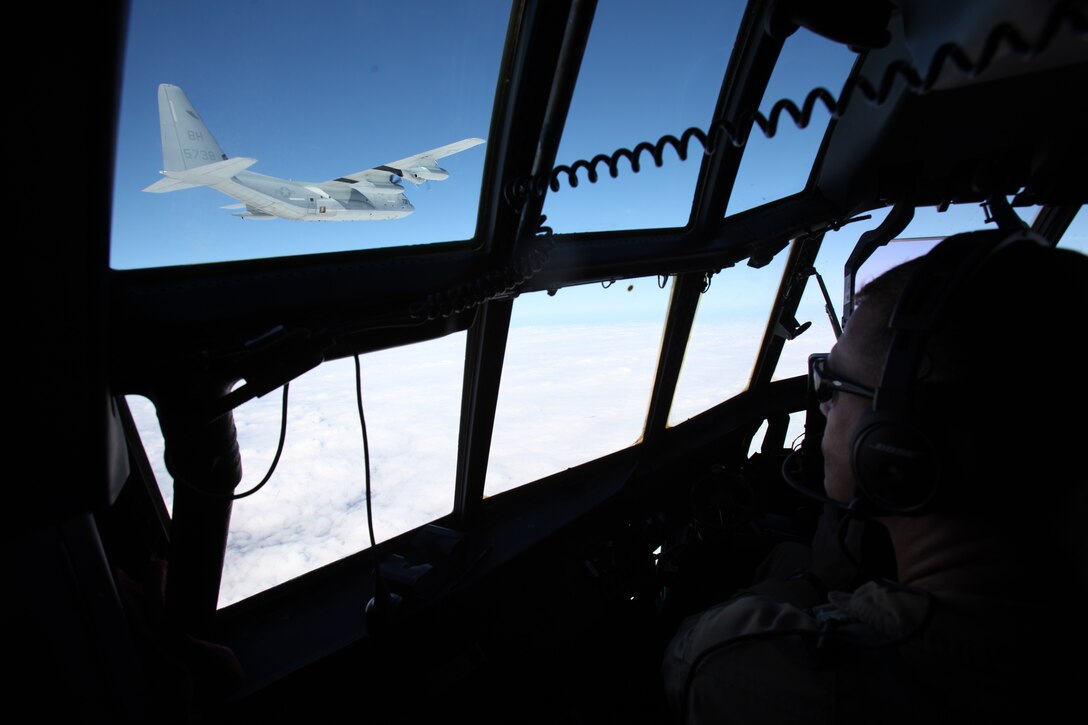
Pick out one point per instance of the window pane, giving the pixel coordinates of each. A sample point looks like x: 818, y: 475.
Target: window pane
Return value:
x: 313, y: 510
x: 312, y: 91
x: 773, y: 168
x: 795, y: 432
x: 725, y: 338
x: 147, y: 425
x: 648, y: 70
x: 1076, y: 236
x: 577, y: 378
x: 927, y: 228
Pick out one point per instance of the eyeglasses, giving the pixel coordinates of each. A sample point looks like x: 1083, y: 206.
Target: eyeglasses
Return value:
x: 823, y: 382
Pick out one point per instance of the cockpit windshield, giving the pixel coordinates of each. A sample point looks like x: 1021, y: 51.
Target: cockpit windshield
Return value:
x: 311, y: 93
x: 282, y: 131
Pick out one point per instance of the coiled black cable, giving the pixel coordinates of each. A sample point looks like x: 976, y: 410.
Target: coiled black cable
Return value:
x: 507, y: 279
x: 1004, y: 35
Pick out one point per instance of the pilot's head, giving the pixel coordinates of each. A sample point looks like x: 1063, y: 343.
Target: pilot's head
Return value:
x: 989, y: 408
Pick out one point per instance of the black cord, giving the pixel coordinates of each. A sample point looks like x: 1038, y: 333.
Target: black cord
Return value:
x: 366, y: 449
x: 267, y: 476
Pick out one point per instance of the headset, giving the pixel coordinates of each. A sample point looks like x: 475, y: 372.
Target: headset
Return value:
x: 900, y: 467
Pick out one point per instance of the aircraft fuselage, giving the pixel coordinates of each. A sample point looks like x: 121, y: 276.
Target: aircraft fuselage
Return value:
x: 268, y: 197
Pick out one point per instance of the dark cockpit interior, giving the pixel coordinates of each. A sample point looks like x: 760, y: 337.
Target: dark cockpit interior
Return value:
x: 549, y: 599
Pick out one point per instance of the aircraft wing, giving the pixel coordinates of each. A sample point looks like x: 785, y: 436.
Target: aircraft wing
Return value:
x: 417, y: 169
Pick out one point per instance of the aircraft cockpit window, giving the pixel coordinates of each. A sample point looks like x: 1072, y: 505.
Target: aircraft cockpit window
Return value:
x: 265, y: 117
x: 1076, y: 236
x: 147, y: 427
x: 649, y: 70
x: 725, y: 338
x: 313, y: 509
x: 577, y: 378
x: 795, y: 430
x: 776, y: 167
x: 925, y: 230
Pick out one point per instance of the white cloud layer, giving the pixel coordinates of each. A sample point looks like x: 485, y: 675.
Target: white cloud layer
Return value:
x: 569, y: 395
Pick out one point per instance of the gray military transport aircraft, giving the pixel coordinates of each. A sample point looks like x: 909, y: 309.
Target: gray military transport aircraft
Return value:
x: 192, y: 157
x: 551, y: 602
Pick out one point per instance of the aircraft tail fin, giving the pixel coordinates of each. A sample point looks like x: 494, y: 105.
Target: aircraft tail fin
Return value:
x: 186, y: 141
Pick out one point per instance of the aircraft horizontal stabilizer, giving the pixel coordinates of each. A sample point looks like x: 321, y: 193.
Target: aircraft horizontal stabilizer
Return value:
x: 167, y: 184
x: 206, y: 175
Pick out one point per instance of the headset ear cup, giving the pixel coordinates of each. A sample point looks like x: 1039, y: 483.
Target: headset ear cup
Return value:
x: 896, y: 466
